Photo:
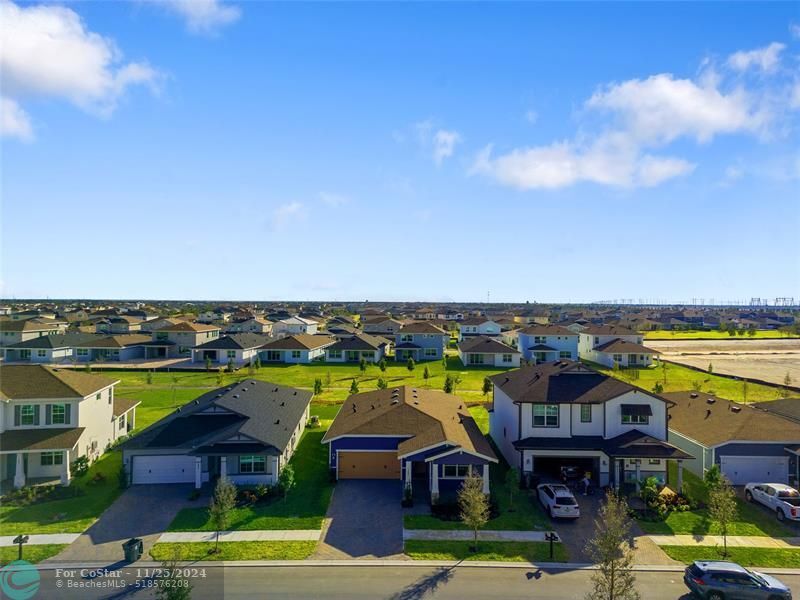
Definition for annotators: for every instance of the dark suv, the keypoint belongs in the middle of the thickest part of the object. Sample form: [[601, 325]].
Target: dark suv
[[718, 580]]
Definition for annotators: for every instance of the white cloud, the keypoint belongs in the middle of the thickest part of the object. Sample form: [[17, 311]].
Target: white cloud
[[14, 122], [287, 213], [333, 200], [732, 174], [653, 170], [764, 59], [205, 16], [440, 143], [531, 116], [794, 30], [48, 51]]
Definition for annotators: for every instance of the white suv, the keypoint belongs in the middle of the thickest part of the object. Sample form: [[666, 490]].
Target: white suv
[[783, 500], [558, 501]]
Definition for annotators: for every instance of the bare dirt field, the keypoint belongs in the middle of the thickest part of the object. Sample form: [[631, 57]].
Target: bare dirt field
[[767, 360]]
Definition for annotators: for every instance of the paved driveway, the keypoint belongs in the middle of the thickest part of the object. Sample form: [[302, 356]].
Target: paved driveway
[[365, 520], [143, 511]]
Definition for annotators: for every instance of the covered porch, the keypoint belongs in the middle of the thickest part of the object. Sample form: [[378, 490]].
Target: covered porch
[[406, 350], [540, 353], [157, 349], [246, 464], [37, 456], [440, 472]]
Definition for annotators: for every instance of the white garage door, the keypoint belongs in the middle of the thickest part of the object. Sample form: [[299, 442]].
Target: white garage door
[[746, 469], [177, 468]]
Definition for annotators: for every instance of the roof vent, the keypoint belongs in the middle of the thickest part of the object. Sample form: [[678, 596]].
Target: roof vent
[[372, 407], [295, 393], [395, 390], [219, 395], [283, 403], [415, 402], [277, 421], [354, 408], [693, 395], [736, 409], [196, 402], [275, 390], [244, 389], [711, 400], [236, 395], [395, 401]]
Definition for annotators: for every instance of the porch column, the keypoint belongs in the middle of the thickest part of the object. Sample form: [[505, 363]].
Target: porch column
[[618, 472], [223, 466], [680, 476], [486, 479], [638, 473], [408, 475], [198, 472], [65, 474], [19, 474], [434, 482]]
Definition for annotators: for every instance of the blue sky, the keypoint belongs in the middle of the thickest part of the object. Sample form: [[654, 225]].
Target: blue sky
[[388, 151]]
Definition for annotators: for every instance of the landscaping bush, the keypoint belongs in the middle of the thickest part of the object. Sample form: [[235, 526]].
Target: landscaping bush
[[80, 466], [449, 511]]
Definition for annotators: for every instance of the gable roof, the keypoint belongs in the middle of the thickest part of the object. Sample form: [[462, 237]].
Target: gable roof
[[548, 330], [426, 417], [58, 340], [608, 330], [785, 407], [486, 345], [301, 341], [185, 326], [421, 327], [19, 382], [235, 341], [26, 325], [476, 321], [713, 421], [362, 341], [622, 347], [562, 381], [116, 341]]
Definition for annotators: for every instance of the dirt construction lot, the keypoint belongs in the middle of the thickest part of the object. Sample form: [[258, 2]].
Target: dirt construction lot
[[767, 360]]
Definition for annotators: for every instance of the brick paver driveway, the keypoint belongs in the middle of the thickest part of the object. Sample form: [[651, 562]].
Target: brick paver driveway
[[143, 511], [365, 520]]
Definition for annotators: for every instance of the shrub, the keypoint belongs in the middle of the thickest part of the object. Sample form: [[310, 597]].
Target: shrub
[[122, 477], [80, 466]]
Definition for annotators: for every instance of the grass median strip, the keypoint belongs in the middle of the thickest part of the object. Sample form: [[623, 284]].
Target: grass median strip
[[494, 551], [233, 551], [748, 557], [33, 554]]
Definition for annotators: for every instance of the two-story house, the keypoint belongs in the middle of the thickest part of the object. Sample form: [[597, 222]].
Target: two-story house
[[178, 340], [565, 414], [294, 326], [353, 348], [488, 352], [118, 325], [49, 417], [254, 325], [14, 332], [547, 343], [420, 341], [381, 325], [610, 344], [475, 326]]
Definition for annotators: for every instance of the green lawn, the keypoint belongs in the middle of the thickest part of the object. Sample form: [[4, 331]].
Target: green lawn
[[497, 551], [680, 378], [716, 335], [76, 514], [481, 416], [304, 508], [748, 557], [233, 551], [157, 402], [33, 554]]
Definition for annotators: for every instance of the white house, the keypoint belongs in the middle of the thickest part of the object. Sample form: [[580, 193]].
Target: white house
[[49, 417], [301, 348], [487, 351], [295, 325], [546, 343], [476, 326], [548, 416], [609, 344], [254, 325], [355, 347], [237, 349], [173, 341]]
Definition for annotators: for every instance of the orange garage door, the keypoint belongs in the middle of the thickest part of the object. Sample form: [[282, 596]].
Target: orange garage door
[[369, 465]]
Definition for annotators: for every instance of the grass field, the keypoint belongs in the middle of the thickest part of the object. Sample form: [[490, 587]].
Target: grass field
[[676, 378], [761, 334], [747, 557], [233, 551], [33, 554], [496, 551]]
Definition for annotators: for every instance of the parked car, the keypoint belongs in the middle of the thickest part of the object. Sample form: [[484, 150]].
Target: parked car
[[719, 580], [558, 500], [783, 500]]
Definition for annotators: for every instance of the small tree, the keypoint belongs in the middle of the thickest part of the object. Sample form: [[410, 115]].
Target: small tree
[[174, 585], [382, 385], [664, 372], [222, 503], [487, 386], [722, 508], [697, 385], [286, 480], [208, 364], [88, 367], [610, 550], [220, 376], [710, 369], [658, 387], [731, 330], [444, 362], [257, 363], [230, 365], [787, 384], [149, 378], [382, 365], [354, 386], [751, 332], [512, 481], [456, 382], [317, 386], [448, 384], [473, 506], [712, 477], [362, 365], [327, 379], [410, 365]]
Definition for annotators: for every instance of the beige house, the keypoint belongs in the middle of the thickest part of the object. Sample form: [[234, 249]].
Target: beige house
[[49, 417], [14, 332], [175, 341]]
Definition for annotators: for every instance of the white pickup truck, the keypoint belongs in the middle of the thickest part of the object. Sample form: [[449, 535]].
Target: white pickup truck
[[783, 500]]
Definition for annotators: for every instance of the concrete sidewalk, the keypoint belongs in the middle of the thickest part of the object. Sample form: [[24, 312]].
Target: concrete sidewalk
[[38, 539], [467, 536], [256, 535], [740, 541]]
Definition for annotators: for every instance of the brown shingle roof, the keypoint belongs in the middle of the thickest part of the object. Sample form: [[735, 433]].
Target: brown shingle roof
[[40, 439], [116, 341], [422, 327], [39, 381], [123, 405], [301, 341], [622, 347], [26, 325], [720, 421], [428, 417]]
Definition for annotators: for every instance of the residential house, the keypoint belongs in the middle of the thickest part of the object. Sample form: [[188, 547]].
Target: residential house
[[295, 325], [118, 325], [355, 347], [301, 348], [548, 416], [745, 441], [217, 315], [420, 437], [14, 332], [478, 326], [381, 325], [58, 348], [112, 348], [487, 351], [246, 432], [176, 341], [49, 417], [609, 344], [547, 343], [254, 325], [420, 341], [237, 349]]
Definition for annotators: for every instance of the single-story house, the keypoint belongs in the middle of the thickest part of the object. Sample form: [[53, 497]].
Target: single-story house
[[301, 348], [487, 351], [246, 432], [749, 444], [240, 348], [57, 348], [116, 348], [419, 436], [355, 347]]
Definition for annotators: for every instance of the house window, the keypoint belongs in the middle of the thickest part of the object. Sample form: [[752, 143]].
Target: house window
[[407, 337], [41, 353], [83, 352], [58, 414], [586, 413], [121, 422], [635, 419], [274, 355], [540, 339], [596, 341], [431, 352], [475, 359], [295, 353], [51, 458], [545, 415], [26, 414], [654, 461], [455, 471], [252, 464], [618, 358], [231, 354], [506, 358], [98, 396], [565, 354], [334, 353]]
